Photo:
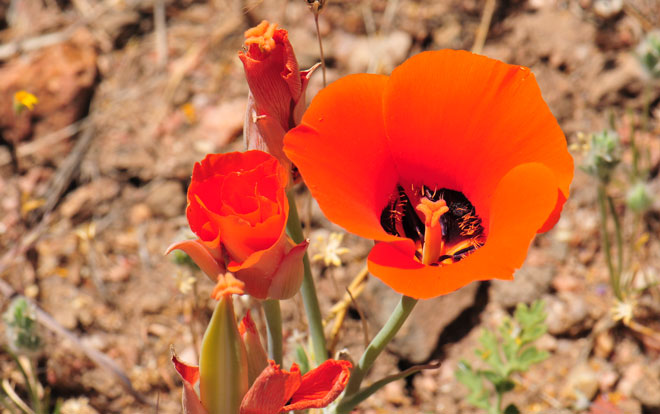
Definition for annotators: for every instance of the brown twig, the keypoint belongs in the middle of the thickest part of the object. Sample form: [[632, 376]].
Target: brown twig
[[97, 357], [484, 25]]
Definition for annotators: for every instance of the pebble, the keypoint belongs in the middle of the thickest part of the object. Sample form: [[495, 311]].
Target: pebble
[[567, 313]]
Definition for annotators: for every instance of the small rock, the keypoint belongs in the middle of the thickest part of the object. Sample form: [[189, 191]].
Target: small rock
[[631, 376], [567, 313], [582, 382], [139, 214], [647, 390], [77, 406], [566, 283], [530, 282], [604, 344], [167, 199], [418, 337]]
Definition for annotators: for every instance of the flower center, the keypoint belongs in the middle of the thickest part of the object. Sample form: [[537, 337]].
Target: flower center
[[443, 223]]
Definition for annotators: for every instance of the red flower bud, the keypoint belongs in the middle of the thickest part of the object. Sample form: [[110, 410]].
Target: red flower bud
[[277, 88]]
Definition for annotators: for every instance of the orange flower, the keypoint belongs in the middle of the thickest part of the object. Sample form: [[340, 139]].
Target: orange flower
[[237, 206], [452, 164], [277, 88]]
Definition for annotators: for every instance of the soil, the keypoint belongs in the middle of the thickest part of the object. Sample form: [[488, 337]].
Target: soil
[[93, 190]]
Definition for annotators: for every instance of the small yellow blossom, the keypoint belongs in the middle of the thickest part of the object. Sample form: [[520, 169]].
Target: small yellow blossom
[[24, 99], [188, 110], [330, 249], [184, 281], [624, 310]]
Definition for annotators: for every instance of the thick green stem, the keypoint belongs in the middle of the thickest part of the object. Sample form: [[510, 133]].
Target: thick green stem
[[384, 336], [274, 328], [307, 290], [602, 204]]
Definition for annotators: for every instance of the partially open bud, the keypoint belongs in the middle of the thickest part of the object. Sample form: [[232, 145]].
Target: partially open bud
[[257, 359], [277, 88]]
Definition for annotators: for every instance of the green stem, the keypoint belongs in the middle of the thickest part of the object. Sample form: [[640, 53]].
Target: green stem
[[274, 327], [619, 237], [384, 336], [307, 290], [602, 204], [499, 403]]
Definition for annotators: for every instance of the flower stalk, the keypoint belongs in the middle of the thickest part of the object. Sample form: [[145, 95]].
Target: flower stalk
[[375, 347], [307, 290], [607, 248], [274, 328]]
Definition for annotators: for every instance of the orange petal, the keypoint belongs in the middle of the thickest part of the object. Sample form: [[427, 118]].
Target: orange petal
[[340, 151], [258, 269], [201, 255], [190, 375], [271, 390], [320, 386], [520, 205], [257, 360], [288, 276], [462, 121]]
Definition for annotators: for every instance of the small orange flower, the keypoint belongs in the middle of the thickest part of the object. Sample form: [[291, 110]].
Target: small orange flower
[[277, 88], [237, 206], [452, 164]]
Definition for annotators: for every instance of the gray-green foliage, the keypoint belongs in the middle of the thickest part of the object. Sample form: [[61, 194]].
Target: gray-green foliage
[[649, 53], [603, 156], [22, 333], [506, 352]]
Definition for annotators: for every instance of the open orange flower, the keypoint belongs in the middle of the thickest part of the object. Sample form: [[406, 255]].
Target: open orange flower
[[238, 208], [452, 164], [277, 88]]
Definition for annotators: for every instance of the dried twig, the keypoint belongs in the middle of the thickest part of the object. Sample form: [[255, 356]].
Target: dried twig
[[315, 6], [98, 357], [160, 35], [484, 25]]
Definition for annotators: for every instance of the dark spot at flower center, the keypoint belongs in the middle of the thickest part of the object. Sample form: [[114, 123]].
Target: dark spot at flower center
[[462, 230]]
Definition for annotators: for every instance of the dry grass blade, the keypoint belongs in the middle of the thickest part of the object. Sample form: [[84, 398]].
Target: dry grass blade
[[484, 25]]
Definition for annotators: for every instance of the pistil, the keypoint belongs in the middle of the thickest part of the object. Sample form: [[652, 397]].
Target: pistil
[[433, 241]]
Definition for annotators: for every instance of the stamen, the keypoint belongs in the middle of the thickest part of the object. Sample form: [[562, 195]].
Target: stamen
[[441, 222]]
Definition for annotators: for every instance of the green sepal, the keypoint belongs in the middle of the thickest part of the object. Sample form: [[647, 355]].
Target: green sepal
[[223, 362]]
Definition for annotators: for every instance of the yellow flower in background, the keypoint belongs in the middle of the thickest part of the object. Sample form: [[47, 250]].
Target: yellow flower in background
[[24, 99], [330, 249]]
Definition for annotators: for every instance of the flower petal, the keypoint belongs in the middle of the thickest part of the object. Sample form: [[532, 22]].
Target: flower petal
[[190, 375], [201, 255], [271, 390], [320, 386], [340, 151], [520, 205], [462, 121], [288, 277]]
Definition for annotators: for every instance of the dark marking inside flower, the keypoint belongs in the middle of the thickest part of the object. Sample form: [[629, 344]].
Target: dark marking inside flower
[[462, 230]]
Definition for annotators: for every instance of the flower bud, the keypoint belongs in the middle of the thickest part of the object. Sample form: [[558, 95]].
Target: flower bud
[[257, 359], [277, 88], [603, 155], [639, 198], [223, 370]]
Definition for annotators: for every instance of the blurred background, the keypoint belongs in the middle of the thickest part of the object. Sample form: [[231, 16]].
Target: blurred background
[[132, 92]]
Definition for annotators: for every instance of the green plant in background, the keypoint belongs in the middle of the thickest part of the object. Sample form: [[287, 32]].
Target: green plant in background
[[506, 352], [23, 345], [602, 157], [649, 53]]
